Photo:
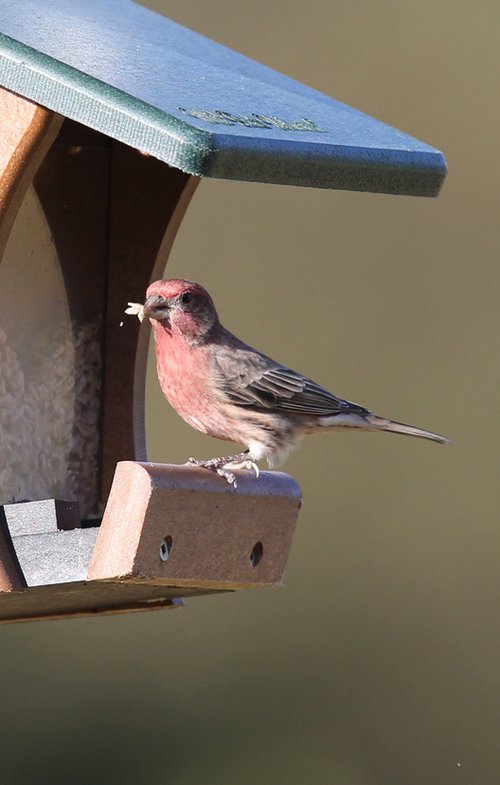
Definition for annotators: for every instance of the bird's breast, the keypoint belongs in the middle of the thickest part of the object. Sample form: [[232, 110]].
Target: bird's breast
[[184, 374], [189, 382]]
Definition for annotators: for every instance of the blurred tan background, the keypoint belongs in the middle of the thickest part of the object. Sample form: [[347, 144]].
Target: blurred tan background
[[378, 663]]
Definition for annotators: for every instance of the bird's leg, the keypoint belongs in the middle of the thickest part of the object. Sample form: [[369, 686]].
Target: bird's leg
[[223, 465]]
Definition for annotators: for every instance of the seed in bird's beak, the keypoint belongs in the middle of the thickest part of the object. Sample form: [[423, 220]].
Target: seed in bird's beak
[[136, 309]]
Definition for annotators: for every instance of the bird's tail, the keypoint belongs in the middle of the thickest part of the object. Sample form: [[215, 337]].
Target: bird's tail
[[381, 424], [366, 421]]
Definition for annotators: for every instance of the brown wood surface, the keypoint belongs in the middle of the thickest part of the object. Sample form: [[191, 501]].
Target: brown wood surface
[[27, 132], [67, 600], [211, 529], [72, 184]]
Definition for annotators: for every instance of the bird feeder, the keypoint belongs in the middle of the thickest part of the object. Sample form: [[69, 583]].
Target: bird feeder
[[109, 116]]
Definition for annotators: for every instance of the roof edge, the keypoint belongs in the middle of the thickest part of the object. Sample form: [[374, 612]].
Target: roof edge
[[104, 108]]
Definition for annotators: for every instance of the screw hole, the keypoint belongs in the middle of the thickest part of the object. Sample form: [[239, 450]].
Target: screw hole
[[165, 547], [256, 554]]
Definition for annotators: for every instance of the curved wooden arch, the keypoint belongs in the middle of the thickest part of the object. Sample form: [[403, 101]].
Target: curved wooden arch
[[28, 131]]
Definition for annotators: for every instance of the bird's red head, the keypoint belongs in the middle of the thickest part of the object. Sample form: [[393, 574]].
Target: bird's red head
[[180, 307]]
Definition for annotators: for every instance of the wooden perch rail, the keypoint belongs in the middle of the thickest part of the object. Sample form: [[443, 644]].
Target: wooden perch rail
[[187, 526], [167, 532]]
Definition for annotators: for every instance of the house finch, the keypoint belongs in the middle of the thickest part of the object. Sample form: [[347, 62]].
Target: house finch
[[226, 389]]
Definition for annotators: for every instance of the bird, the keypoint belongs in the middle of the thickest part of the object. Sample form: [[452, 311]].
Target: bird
[[226, 389]]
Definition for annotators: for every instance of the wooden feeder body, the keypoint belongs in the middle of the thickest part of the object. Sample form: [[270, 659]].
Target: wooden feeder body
[[95, 226]]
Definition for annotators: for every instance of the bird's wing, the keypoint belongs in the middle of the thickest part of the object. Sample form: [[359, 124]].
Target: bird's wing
[[254, 381]]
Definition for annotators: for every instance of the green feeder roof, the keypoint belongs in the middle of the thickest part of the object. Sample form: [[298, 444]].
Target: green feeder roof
[[199, 106]]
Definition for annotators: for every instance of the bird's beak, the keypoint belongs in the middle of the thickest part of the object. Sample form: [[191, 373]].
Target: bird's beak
[[156, 307]]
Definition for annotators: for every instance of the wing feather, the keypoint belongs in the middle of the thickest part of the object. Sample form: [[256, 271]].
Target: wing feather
[[256, 382]]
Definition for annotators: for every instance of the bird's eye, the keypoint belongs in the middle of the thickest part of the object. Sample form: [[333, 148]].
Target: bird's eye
[[186, 297]]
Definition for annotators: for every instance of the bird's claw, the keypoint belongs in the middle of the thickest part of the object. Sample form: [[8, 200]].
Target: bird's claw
[[223, 466], [252, 467], [228, 476]]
